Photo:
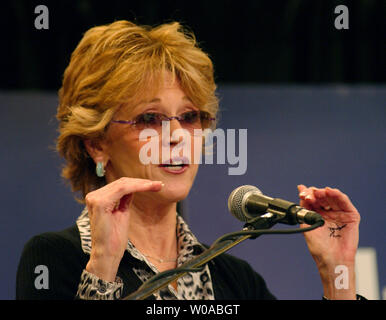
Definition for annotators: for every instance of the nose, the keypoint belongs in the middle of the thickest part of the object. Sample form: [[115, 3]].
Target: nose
[[168, 139], [175, 125]]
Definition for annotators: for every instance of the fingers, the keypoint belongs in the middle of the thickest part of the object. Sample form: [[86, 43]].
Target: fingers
[[303, 194], [323, 202], [315, 198], [124, 186], [339, 199], [325, 199], [116, 195]]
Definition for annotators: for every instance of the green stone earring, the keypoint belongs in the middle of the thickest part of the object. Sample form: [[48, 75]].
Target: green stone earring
[[100, 170]]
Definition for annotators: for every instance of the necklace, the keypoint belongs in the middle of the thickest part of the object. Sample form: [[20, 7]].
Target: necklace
[[160, 260]]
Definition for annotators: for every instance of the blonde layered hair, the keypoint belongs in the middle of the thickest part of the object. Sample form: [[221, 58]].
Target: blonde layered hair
[[122, 63]]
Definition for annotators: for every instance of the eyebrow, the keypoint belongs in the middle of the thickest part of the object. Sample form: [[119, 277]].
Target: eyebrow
[[159, 100]]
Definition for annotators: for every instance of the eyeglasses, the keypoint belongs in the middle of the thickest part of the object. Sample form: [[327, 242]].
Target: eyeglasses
[[189, 120]]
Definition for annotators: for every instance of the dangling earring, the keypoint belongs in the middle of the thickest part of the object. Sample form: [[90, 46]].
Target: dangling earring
[[100, 170]]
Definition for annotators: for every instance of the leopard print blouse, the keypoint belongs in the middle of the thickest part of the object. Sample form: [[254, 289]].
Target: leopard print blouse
[[192, 286]]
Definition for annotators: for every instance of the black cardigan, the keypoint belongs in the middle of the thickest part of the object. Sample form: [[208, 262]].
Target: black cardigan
[[62, 253]]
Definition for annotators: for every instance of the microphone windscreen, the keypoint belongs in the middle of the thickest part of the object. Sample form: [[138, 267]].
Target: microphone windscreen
[[235, 201]]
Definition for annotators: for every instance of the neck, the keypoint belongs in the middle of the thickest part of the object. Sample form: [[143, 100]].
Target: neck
[[152, 228]]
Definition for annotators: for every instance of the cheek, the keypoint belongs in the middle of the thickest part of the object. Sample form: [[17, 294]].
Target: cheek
[[124, 150], [128, 147]]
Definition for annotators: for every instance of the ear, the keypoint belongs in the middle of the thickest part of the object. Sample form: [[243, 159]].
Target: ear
[[96, 149]]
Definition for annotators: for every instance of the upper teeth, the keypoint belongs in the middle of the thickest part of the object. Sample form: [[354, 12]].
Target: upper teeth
[[177, 163]]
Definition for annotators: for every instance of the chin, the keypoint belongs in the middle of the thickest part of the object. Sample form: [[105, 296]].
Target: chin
[[175, 192]]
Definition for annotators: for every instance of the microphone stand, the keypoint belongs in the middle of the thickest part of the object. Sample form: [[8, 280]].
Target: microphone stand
[[218, 247]]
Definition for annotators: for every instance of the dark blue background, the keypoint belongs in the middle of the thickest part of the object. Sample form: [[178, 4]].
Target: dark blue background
[[321, 136]]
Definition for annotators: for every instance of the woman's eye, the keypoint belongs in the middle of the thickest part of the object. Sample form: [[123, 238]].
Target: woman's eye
[[190, 116], [147, 118]]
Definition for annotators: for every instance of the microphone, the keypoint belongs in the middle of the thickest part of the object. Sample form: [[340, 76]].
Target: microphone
[[248, 202]]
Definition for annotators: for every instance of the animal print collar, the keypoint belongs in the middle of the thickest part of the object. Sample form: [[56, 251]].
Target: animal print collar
[[192, 286]]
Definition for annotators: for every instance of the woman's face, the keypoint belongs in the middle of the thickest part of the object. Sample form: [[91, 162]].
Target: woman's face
[[122, 145]]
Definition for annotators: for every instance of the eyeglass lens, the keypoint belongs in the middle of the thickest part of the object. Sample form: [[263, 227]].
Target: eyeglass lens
[[188, 120]]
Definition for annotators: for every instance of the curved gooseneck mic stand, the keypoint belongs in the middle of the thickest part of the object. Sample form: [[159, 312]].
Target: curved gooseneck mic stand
[[252, 229]]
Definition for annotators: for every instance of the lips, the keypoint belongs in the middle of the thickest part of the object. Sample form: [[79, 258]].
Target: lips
[[175, 165]]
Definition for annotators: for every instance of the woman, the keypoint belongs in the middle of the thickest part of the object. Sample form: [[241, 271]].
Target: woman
[[122, 79]]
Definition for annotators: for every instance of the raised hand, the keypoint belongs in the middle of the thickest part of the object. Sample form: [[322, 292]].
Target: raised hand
[[109, 212], [335, 243]]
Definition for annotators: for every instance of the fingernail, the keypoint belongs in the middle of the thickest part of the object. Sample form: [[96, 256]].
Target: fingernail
[[159, 182], [303, 193], [308, 197]]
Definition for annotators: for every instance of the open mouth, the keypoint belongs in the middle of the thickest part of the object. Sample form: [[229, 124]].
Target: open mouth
[[175, 164]]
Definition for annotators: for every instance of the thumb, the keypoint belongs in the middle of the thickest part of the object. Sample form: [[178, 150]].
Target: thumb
[[124, 202], [304, 204], [301, 187]]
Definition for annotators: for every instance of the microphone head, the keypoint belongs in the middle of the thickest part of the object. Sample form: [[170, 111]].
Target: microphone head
[[236, 203]]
